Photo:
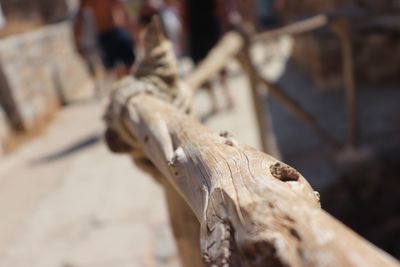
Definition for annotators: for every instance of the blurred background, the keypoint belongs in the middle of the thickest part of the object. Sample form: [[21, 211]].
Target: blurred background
[[66, 201]]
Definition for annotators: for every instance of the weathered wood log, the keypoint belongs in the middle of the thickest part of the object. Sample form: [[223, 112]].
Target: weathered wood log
[[264, 123], [341, 28], [185, 227], [226, 49], [253, 210], [284, 99], [300, 27], [232, 43], [298, 111]]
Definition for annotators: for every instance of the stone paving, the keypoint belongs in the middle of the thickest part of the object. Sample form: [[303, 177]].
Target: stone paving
[[40, 70]]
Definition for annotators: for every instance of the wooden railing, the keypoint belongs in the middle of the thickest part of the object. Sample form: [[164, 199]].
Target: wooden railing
[[229, 204], [238, 45]]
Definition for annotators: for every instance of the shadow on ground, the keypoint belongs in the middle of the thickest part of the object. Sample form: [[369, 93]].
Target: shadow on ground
[[68, 151]]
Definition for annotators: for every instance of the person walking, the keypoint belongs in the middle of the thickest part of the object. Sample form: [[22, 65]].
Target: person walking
[[205, 22], [113, 25]]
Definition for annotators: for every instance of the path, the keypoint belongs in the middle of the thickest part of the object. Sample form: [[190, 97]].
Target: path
[[66, 201]]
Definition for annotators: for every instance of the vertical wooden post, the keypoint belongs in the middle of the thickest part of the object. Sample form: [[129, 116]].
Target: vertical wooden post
[[341, 29], [264, 122], [185, 227], [298, 111], [256, 80]]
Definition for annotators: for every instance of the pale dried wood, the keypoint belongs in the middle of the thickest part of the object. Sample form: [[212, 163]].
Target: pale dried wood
[[157, 74], [226, 49], [298, 111], [232, 43], [296, 28], [264, 123], [252, 209], [283, 98], [185, 227]]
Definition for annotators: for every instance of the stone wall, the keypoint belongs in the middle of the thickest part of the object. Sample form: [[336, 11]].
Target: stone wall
[[295, 9], [376, 51], [38, 71], [4, 131], [50, 11], [70, 73]]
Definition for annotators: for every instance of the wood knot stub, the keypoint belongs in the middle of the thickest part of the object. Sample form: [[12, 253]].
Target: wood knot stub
[[115, 143], [262, 253], [229, 139], [225, 134], [317, 196], [178, 157], [284, 172]]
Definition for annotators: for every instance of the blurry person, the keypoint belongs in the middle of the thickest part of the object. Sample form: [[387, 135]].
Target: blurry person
[[267, 12], [148, 9], [205, 22], [172, 23], [247, 9], [87, 45], [2, 18], [113, 24]]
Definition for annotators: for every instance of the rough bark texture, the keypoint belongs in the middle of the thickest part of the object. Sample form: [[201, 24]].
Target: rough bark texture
[[253, 210]]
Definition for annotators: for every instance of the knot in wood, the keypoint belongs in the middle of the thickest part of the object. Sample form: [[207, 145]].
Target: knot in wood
[[178, 157], [229, 139], [262, 253], [317, 196], [115, 143], [225, 134], [284, 172]]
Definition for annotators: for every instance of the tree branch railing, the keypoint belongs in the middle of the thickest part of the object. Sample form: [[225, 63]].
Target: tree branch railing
[[300, 27], [230, 205], [238, 45], [338, 23]]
